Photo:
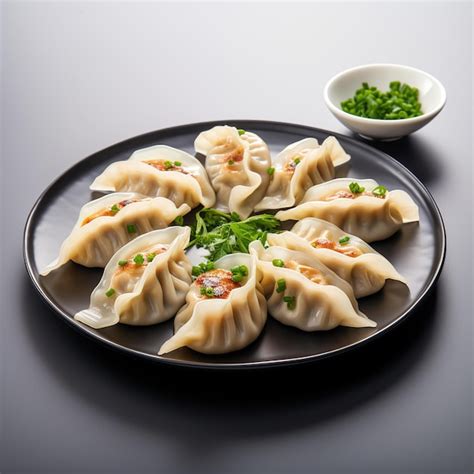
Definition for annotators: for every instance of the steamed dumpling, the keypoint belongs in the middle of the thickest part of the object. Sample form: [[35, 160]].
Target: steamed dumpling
[[304, 293], [108, 223], [360, 207], [300, 166], [159, 171], [237, 163], [221, 315], [346, 255], [144, 283]]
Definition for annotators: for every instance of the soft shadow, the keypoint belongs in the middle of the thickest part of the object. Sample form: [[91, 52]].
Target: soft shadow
[[415, 153], [233, 404]]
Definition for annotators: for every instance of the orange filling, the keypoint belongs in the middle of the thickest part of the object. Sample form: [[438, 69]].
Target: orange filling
[[219, 281], [343, 194], [110, 211], [309, 272], [165, 165], [348, 250]]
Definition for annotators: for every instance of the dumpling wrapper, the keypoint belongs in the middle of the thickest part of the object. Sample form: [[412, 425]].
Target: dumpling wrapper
[[317, 165], [93, 244], [237, 166], [318, 307], [370, 218], [219, 326], [151, 292], [190, 187], [366, 273]]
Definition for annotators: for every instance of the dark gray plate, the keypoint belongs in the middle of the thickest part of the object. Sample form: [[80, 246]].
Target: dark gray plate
[[417, 251]]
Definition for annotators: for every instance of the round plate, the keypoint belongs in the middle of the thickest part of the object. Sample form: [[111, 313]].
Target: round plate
[[417, 251]]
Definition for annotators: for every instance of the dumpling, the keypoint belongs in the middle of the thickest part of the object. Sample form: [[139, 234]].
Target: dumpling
[[108, 223], [304, 293], [144, 283], [346, 255], [361, 207], [237, 163], [300, 166], [159, 171], [225, 309]]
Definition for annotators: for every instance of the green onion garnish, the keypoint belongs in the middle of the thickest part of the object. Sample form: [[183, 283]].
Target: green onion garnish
[[131, 229], [297, 161], [139, 259], [168, 164], [230, 162], [237, 278], [344, 240], [179, 220], [122, 263], [241, 131], [271, 171], [202, 268], [278, 262], [177, 163], [150, 257], [110, 292], [203, 290], [115, 209], [244, 270], [209, 291], [356, 188], [281, 285], [379, 191], [290, 302], [196, 271]]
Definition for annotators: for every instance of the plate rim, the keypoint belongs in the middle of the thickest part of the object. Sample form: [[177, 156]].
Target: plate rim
[[273, 125]]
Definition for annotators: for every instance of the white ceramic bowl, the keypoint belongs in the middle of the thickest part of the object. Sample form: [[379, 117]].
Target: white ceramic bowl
[[432, 96]]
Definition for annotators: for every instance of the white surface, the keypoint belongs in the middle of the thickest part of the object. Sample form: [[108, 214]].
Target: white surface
[[432, 96]]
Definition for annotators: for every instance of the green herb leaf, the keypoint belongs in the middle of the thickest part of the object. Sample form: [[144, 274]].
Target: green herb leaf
[[179, 220]]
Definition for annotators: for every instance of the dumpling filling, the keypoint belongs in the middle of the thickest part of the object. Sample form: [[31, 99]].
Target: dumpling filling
[[217, 283], [342, 247], [130, 271], [309, 272], [354, 191], [291, 165], [166, 165], [109, 211]]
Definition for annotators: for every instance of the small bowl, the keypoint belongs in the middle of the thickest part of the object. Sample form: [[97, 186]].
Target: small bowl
[[432, 96]]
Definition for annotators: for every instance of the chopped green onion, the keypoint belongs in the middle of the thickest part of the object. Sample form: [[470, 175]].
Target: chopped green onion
[[344, 240], [278, 262], [243, 270], [179, 220], [122, 263], [241, 131], [196, 271], [131, 229], [115, 209], [271, 171], [150, 257], [380, 191], [237, 278], [209, 291], [177, 163], [139, 259], [297, 161], [356, 188], [203, 290], [230, 162], [110, 292], [290, 302], [281, 285], [168, 164]]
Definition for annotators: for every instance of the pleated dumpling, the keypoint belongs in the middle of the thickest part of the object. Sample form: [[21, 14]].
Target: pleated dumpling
[[159, 171], [304, 293], [144, 283], [225, 309], [361, 207], [300, 166], [237, 163], [348, 256], [108, 223]]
